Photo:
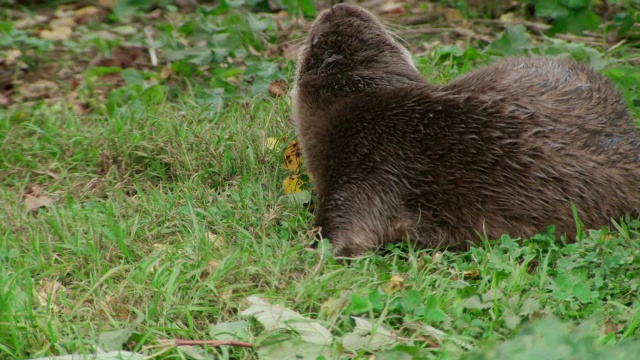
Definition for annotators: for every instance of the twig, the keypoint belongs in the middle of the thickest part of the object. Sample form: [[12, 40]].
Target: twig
[[458, 30], [617, 45], [212, 343], [541, 29], [167, 344], [152, 51]]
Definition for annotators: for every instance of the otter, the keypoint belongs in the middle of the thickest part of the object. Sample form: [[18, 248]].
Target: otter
[[510, 148]]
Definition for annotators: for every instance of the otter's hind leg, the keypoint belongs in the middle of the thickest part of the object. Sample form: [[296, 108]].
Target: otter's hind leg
[[358, 219]]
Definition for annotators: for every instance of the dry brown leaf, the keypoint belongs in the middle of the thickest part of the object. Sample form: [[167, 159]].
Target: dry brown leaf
[[154, 15], [33, 203], [11, 56], [49, 289], [334, 306], [62, 22], [48, 173], [278, 88], [467, 274], [28, 23], [611, 327], [125, 57], [5, 101], [453, 17], [215, 240], [166, 72], [56, 34], [38, 90], [88, 13], [254, 52], [208, 270], [392, 9], [109, 4]]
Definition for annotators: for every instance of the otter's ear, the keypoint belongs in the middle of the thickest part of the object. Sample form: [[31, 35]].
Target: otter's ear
[[332, 62]]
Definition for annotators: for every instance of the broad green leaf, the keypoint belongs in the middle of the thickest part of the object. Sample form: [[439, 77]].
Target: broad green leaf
[[366, 336], [113, 340], [111, 355], [582, 292], [277, 317], [230, 330], [515, 40], [293, 350]]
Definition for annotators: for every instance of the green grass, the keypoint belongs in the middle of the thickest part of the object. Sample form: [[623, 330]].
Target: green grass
[[169, 212], [167, 219]]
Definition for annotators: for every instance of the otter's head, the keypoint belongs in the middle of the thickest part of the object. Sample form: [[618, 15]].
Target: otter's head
[[349, 49]]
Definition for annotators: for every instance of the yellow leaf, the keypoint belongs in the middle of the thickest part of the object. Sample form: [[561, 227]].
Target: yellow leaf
[[272, 143], [293, 157], [395, 283], [292, 184], [60, 33]]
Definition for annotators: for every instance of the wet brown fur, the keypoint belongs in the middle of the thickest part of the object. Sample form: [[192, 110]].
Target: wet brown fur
[[502, 150]]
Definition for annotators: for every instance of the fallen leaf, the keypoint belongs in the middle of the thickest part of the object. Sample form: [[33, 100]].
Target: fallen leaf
[[166, 72], [62, 22], [392, 8], [235, 330], [293, 350], [49, 291], [215, 240], [88, 13], [366, 336], [109, 4], [292, 184], [208, 270], [11, 56], [29, 22], [293, 157], [334, 306], [192, 352], [125, 30], [277, 317], [395, 283], [110, 355], [33, 203], [57, 34], [278, 88], [125, 57], [611, 328], [114, 340], [154, 15], [453, 16], [39, 89], [471, 274], [272, 143], [508, 17], [5, 101]]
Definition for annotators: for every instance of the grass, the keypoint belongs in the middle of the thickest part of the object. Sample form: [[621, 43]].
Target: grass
[[169, 213]]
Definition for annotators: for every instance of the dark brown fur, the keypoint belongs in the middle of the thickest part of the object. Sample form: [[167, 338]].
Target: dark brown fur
[[502, 150]]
